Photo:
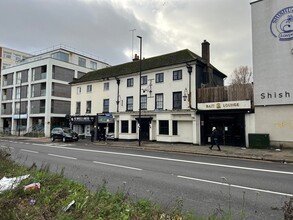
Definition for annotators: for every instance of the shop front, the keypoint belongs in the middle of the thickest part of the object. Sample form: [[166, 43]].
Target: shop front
[[228, 117], [82, 125]]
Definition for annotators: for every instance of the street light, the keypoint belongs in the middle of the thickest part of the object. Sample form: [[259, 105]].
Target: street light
[[19, 122], [139, 114]]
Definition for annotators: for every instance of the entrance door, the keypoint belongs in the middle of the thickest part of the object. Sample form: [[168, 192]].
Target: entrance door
[[231, 127], [145, 128]]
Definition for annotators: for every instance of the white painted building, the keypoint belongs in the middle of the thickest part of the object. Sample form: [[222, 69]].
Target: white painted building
[[109, 99], [35, 94], [272, 37]]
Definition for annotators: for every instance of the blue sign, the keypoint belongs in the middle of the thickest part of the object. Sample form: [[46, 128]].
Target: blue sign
[[105, 118], [282, 24]]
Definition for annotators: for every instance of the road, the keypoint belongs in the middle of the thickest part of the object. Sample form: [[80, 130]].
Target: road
[[202, 184]]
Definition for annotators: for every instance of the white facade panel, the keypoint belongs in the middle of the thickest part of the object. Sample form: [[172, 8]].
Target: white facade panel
[[278, 125], [272, 37]]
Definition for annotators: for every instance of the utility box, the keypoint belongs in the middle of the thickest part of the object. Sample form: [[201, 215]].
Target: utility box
[[259, 140]]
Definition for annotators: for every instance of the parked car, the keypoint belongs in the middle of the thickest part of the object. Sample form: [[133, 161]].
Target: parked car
[[65, 134], [110, 136]]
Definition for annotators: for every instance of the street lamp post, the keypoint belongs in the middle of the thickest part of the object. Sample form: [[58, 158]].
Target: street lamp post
[[19, 110], [139, 114]]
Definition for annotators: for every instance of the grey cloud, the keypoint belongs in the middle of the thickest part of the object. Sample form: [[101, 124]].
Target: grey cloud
[[103, 27]]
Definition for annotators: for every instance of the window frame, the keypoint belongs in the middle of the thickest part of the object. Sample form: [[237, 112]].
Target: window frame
[[177, 75], [157, 102], [133, 126], [163, 127], [175, 127], [124, 126], [81, 61], [93, 65], [88, 107], [144, 80], [143, 105], [130, 82], [77, 108], [159, 77], [60, 55], [106, 105], [129, 105], [78, 90], [89, 88], [106, 86], [177, 100]]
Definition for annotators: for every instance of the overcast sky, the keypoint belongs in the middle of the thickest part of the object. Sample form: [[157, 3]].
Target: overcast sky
[[103, 28]]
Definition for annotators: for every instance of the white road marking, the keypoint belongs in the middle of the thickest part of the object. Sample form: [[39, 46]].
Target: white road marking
[[171, 159], [115, 165], [235, 186], [30, 151], [52, 145], [55, 155]]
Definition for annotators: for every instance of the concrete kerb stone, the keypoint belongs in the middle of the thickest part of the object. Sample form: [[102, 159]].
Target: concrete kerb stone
[[284, 156], [233, 152]]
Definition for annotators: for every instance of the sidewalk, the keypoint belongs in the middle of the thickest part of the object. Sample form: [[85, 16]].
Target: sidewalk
[[276, 155], [279, 155]]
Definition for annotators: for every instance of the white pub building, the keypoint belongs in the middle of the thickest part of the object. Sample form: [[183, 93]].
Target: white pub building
[[108, 100]]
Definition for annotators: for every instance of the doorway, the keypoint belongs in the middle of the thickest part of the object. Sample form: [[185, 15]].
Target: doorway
[[145, 128], [231, 126]]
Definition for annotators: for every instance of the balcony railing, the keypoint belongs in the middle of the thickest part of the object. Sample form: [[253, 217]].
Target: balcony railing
[[225, 93]]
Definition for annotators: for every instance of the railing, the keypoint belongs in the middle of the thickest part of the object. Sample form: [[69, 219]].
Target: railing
[[5, 131], [225, 93], [35, 131], [47, 53]]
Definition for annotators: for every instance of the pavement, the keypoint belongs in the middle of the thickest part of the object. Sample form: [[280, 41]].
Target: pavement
[[272, 154], [284, 155]]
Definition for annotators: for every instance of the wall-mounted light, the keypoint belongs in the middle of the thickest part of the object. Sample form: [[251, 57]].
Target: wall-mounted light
[[189, 68], [185, 94]]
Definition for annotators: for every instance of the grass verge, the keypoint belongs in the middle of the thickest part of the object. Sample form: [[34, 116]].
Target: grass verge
[[52, 200], [57, 192]]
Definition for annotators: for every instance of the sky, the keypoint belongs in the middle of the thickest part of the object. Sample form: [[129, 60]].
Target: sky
[[108, 29]]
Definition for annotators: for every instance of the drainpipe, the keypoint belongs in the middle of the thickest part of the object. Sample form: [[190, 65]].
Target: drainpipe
[[117, 101], [189, 69]]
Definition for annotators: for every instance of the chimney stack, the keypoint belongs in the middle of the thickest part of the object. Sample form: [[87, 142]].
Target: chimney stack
[[136, 57], [205, 51]]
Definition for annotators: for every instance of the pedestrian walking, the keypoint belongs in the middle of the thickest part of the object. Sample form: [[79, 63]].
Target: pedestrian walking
[[215, 138], [92, 134], [99, 133]]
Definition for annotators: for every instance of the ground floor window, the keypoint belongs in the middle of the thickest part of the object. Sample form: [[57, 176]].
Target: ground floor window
[[164, 127], [175, 127], [133, 126], [124, 126]]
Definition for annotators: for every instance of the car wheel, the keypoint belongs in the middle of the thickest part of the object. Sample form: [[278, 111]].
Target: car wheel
[[52, 139], [64, 139]]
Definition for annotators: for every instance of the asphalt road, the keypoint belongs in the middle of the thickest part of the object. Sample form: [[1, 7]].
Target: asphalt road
[[203, 185]]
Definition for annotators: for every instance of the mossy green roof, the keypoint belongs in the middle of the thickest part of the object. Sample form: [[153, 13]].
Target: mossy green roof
[[179, 57]]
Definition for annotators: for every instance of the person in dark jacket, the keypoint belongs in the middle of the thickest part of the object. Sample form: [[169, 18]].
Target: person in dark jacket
[[93, 134], [215, 138]]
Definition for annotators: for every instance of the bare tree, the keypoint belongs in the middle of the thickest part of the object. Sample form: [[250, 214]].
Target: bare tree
[[242, 75]]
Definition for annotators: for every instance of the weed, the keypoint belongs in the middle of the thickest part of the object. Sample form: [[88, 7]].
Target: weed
[[288, 209]]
